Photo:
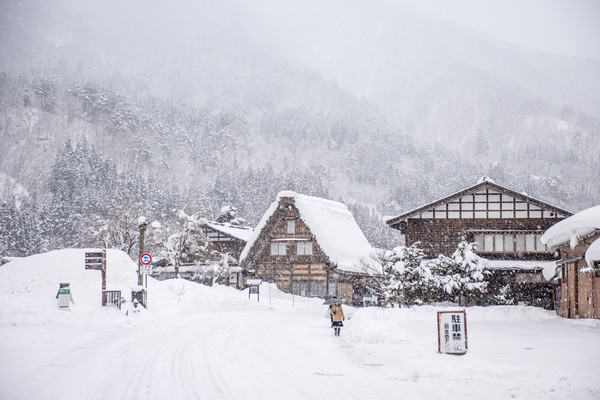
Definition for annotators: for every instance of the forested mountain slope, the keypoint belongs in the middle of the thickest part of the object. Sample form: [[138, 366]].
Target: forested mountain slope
[[198, 105]]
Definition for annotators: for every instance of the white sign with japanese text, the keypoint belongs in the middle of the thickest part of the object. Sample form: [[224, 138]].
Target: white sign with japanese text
[[452, 332]]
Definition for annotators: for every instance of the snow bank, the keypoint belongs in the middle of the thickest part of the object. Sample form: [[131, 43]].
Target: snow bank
[[28, 288], [373, 325], [573, 228]]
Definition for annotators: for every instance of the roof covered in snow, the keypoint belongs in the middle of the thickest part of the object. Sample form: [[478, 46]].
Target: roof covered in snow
[[572, 229], [593, 253], [237, 231], [332, 225]]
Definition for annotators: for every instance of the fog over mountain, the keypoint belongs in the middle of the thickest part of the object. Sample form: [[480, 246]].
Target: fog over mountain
[[377, 104]]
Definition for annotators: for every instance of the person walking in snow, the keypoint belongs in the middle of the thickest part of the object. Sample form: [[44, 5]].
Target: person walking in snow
[[337, 314]]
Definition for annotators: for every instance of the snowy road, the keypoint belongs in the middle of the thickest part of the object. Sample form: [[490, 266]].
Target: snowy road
[[291, 354], [233, 355]]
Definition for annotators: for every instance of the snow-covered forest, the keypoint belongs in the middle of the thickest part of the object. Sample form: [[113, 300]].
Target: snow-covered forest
[[99, 126]]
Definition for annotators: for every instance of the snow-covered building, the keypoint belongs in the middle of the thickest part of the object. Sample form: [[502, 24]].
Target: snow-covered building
[[577, 274], [507, 227], [226, 237], [308, 246]]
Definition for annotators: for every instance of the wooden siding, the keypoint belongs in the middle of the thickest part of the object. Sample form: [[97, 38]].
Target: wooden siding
[[580, 288], [484, 200], [491, 204], [443, 236]]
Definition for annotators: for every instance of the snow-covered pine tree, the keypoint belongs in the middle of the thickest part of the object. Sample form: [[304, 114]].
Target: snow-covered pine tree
[[228, 214], [470, 283], [415, 276]]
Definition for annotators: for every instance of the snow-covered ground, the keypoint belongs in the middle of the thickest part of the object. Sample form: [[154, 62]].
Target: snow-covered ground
[[196, 342]]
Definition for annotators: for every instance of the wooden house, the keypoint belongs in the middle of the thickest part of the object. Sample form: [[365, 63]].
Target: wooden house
[[577, 273], [507, 227], [226, 237], [308, 246]]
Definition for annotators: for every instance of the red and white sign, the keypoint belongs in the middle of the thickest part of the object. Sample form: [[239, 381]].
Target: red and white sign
[[146, 259]]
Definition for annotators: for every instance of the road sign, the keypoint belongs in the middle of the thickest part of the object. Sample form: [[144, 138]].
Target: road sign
[[146, 259], [145, 269], [95, 260], [452, 332]]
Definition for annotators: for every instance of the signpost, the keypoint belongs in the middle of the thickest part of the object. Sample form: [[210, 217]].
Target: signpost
[[452, 332], [97, 261], [145, 267], [254, 287]]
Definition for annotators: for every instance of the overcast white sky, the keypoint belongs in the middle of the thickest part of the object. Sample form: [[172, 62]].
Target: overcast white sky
[[569, 27]]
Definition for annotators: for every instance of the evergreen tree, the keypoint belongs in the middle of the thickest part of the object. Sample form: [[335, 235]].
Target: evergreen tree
[[460, 276]]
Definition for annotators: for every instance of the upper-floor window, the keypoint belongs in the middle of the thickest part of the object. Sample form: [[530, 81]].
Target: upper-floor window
[[304, 248], [291, 227], [503, 242], [278, 248]]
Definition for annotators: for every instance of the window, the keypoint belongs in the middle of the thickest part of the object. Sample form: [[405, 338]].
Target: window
[[304, 248], [278, 248], [488, 243], [291, 227], [495, 242], [498, 243], [509, 243], [539, 246], [530, 242], [520, 239], [479, 239]]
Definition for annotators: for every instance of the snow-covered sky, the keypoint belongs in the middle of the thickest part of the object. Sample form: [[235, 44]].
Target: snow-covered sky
[[567, 27]]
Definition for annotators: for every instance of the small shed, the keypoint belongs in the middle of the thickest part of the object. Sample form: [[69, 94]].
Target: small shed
[[577, 273], [308, 246], [226, 237]]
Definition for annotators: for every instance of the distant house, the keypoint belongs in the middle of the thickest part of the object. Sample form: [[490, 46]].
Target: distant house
[[507, 227], [577, 239], [308, 246], [227, 238]]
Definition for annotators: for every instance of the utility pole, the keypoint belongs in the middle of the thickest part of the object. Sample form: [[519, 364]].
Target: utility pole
[[143, 226]]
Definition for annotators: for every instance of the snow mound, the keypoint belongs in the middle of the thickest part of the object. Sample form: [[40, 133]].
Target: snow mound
[[28, 285], [28, 288], [373, 326]]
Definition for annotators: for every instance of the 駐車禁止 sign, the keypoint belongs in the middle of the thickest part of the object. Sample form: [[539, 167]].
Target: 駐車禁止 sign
[[452, 332]]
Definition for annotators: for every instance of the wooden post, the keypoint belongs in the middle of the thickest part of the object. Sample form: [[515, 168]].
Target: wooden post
[[103, 272], [143, 226], [309, 282]]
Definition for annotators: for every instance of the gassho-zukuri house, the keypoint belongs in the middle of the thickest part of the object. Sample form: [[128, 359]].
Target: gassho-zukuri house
[[507, 227], [308, 246], [577, 273]]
